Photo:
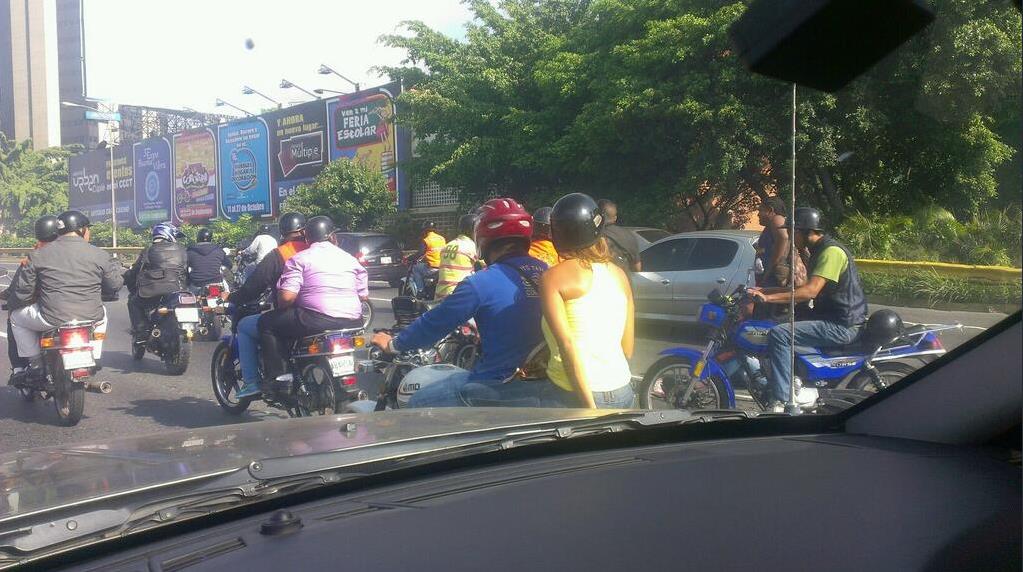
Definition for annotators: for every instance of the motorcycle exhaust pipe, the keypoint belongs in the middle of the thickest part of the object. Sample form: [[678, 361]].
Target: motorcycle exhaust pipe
[[99, 386]]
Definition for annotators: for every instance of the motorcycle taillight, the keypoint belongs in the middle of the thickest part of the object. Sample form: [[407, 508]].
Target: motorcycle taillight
[[213, 290], [339, 344], [74, 337], [186, 299]]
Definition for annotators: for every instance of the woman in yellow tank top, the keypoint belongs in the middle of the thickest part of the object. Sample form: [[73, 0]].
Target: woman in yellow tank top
[[587, 310]]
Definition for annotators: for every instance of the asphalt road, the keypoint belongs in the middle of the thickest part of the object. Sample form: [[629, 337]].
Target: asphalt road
[[145, 399]]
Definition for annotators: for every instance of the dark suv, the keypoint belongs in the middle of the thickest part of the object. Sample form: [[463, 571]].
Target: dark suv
[[379, 253]]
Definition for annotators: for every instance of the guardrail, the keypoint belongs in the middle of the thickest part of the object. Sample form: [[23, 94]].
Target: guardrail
[[995, 274]]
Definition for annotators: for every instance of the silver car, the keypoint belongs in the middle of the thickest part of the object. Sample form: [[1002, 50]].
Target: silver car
[[680, 270]]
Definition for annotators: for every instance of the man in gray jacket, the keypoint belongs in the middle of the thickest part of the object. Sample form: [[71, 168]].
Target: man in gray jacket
[[60, 283]]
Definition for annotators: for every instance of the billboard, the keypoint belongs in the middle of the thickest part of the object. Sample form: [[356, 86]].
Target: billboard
[[89, 184], [298, 147], [361, 128], [124, 185], [152, 181], [243, 169], [195, 176]]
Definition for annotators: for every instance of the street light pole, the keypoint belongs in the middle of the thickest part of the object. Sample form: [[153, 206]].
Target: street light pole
[[325, 70], [322, 91], [249, 91], [222, 103], [285, 84]]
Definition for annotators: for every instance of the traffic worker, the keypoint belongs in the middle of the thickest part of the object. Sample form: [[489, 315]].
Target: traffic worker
[[458, 258], [542, 248]]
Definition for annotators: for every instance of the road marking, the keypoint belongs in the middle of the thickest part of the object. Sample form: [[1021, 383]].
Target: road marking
[[381, 299]]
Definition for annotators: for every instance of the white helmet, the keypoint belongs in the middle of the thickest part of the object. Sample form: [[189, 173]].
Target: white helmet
[[421, 377]]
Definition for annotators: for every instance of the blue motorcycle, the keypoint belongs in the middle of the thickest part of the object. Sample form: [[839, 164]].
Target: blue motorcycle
[[736, 356]]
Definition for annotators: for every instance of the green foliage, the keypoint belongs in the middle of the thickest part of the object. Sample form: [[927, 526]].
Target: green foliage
[[32, 183], [354, 197], [932, 288], [403, 227], [645, 101]]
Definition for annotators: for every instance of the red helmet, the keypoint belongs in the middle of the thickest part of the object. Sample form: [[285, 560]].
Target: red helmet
[[502, 218]]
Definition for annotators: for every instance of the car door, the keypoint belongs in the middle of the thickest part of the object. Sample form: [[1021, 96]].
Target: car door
[[711, 263], [652, 288]]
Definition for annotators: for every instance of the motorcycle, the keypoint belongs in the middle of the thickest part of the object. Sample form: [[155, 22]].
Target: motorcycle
[[407, 285], [736, 355], [321, 376], [211, 322], [461, 347], [367, 313], [173, 325]]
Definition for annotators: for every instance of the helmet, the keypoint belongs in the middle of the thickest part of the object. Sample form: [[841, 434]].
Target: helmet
[[429, 225], [500, 219], [290, 222], [72, 221], [882, 327], [166, 231], [575, 222], [542, 216], [264, 229], [466, 223], [806, 218], [46, 228], [318, 229], [204, 235]]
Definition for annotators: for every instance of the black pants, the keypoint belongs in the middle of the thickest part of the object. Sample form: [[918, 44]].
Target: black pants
[[12, 348], [139, 309], [278, 328]]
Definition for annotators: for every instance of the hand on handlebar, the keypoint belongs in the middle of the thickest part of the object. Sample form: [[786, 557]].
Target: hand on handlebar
[[382, 340]]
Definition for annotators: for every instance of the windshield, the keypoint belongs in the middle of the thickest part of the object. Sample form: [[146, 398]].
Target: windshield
[[499, 143]]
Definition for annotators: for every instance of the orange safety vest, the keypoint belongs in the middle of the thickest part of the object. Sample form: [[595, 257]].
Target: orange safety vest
[[434, 244], [291, 248], [544, 251]]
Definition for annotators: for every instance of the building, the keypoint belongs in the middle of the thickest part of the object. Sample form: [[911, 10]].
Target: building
[[29, 72], [74, 128]]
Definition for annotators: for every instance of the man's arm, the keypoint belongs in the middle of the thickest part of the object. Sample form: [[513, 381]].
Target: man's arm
[[262, 277], [113, 274], [290, 283], [23, 285], [807, 291], [781, 246], [455, 310]]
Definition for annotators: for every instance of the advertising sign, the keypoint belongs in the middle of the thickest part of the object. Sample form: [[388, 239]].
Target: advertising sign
[[243, 169], [361, 128], [124, 185], [152, 181], [298, 147], [88, 175], [195, 176]]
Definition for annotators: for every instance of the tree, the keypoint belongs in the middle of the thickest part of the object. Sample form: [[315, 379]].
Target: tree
[[646, 102], [353, 196], [32, 183]]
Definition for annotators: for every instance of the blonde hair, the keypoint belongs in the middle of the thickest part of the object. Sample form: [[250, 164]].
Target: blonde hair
[[597, 252]]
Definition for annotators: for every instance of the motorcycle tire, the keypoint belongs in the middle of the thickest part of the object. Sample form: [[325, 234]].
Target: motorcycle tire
[[466, 355], [665, 364], [889, 371], [176, 362], [138, 351], [68, 396], [367, 313], [226, 382]]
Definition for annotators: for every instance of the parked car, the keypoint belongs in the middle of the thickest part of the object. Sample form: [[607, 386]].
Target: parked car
[[379, 253], [646, 236], [679, 271]]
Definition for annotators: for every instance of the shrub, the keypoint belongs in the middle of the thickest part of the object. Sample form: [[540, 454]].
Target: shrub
[[353, 196], [933, 288]]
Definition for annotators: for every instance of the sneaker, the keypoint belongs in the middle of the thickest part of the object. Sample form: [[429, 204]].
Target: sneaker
[[775, 407], [806, 396], [248, 390]]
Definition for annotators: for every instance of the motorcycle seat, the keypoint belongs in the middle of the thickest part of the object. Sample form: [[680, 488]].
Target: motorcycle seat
[[347, 331]]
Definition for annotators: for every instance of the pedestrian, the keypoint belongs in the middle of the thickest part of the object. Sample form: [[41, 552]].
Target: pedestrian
[[773, 245], [622, 243]]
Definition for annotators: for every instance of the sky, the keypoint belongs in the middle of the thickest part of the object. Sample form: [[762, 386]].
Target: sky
[[188, 53]]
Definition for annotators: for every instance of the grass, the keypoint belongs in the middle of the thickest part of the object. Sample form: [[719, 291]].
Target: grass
[[933, 288]]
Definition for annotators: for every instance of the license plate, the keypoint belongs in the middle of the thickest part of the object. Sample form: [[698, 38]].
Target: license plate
[[385, 260], [186, 314], [342, 365], [78, 360], [213, 302]]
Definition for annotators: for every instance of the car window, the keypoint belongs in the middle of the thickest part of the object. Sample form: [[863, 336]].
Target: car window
[[666, 256], [349, 244], [377, 243], [711, 253], [653, 235]]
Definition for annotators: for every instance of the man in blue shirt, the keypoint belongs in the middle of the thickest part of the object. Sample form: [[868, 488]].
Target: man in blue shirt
[[504, 300]]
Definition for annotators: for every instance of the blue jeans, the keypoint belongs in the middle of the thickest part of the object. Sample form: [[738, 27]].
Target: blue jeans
[[248, 348], [419, 273], [814, 333], [542, 393], [444, 389]]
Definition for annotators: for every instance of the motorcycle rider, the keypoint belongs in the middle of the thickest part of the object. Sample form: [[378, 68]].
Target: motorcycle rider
[[262, 244], [428, 256], [206, 261], [321, 288], [46, 231], [839, 311], [458, 259], [264, 277], [623, 244], [61, 282], [542, 248], [504, 300], [161, 268]]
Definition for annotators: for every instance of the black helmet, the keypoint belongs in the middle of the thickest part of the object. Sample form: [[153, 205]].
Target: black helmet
[[288, 223], [318, 229], [204, 235], [429, 225], [466, 224], [807, 218], [46, 228], [72, 221], [575, 222], [542, 216], [264, 229], [882, 327]]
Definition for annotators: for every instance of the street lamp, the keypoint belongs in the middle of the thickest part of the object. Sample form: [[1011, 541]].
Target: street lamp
[[327, 70], [113, 188], [285, 84], [322, 91], [249, 91], [222, 103]]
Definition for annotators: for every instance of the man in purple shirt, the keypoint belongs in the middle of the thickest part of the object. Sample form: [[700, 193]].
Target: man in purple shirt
[[321, 288]]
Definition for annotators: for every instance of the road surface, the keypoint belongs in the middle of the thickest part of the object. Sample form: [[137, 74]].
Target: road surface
[[146, 400]]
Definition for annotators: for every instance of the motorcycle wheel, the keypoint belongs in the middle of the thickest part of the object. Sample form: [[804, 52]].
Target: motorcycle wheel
[[321, 391], [68, 396], [466, 355], [890, 373], [138, 351], [367, 313], [665, 382], [225, 379], [176, 362]]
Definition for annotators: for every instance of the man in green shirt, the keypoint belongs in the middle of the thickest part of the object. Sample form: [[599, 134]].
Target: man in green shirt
[[839, 311]]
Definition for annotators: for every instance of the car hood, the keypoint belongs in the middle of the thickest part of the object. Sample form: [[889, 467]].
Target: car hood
[[39, 479]]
